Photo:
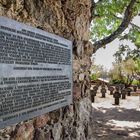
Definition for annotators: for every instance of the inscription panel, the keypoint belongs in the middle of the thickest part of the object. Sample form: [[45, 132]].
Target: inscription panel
[[35, 72]]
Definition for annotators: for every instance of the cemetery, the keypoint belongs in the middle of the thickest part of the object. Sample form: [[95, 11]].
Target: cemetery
[[69, 69]]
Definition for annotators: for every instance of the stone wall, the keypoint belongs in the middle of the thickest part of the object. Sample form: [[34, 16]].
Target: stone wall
[[69, 19]]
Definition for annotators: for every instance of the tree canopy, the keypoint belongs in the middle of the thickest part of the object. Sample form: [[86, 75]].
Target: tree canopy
[[111, 18], [98, 71], [126, 68]]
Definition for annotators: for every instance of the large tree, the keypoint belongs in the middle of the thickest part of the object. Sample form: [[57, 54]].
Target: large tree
[[124, 72], [111, 18], [98, 71], [128, 62]]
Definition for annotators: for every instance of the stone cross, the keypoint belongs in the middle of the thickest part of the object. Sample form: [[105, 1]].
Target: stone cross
[[103, 91]]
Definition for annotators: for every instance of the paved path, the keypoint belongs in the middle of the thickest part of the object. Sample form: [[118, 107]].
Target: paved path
[[116, 122]]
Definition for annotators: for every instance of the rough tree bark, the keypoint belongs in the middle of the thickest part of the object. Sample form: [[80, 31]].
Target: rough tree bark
[[69, 19]]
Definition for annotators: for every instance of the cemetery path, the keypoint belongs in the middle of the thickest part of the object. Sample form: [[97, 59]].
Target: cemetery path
[[116, 122]]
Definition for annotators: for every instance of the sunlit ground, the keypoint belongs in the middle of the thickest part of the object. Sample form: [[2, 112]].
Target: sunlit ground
[[128, 124], [116, 122]]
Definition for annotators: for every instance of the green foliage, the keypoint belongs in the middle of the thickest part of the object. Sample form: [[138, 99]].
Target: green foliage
[[93, 77], [135, 82], [115, 73], [136, 8], [103, 27], [121, 52], [127, 65], [117, 81], [133, 35], [138, 64], [98, 71], [107, 17], [136, 36], [124, 53]]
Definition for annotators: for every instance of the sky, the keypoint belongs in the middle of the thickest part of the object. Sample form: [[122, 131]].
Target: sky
[[105, 56]]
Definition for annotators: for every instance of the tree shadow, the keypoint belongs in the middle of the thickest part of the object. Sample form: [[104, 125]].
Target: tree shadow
[[117, 114], [104, 129]]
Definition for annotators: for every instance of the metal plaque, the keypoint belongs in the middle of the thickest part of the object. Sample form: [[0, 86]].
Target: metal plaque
[[35, 72]]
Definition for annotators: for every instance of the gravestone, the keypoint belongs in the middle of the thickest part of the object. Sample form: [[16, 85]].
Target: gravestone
[[121, 86], [95, 88], [35, 72], [111, 89], [103, 92], [93, 94], [103, 85], [108, 86], [123, 93], [117, 96], [117, 88], [135, 88], [129, 90]]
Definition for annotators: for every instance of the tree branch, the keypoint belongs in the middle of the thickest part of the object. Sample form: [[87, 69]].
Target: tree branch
[[132, 24], [126, 20]]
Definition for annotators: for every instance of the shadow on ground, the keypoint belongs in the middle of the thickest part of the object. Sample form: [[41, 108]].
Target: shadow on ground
[[116, 123]]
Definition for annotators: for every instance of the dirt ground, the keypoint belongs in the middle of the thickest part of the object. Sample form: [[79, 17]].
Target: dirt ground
[[116, 122]]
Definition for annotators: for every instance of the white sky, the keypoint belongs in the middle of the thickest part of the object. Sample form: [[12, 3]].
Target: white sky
[[105, 56]]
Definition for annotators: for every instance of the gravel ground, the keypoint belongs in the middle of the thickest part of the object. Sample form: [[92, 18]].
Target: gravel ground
[[112, 122]]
